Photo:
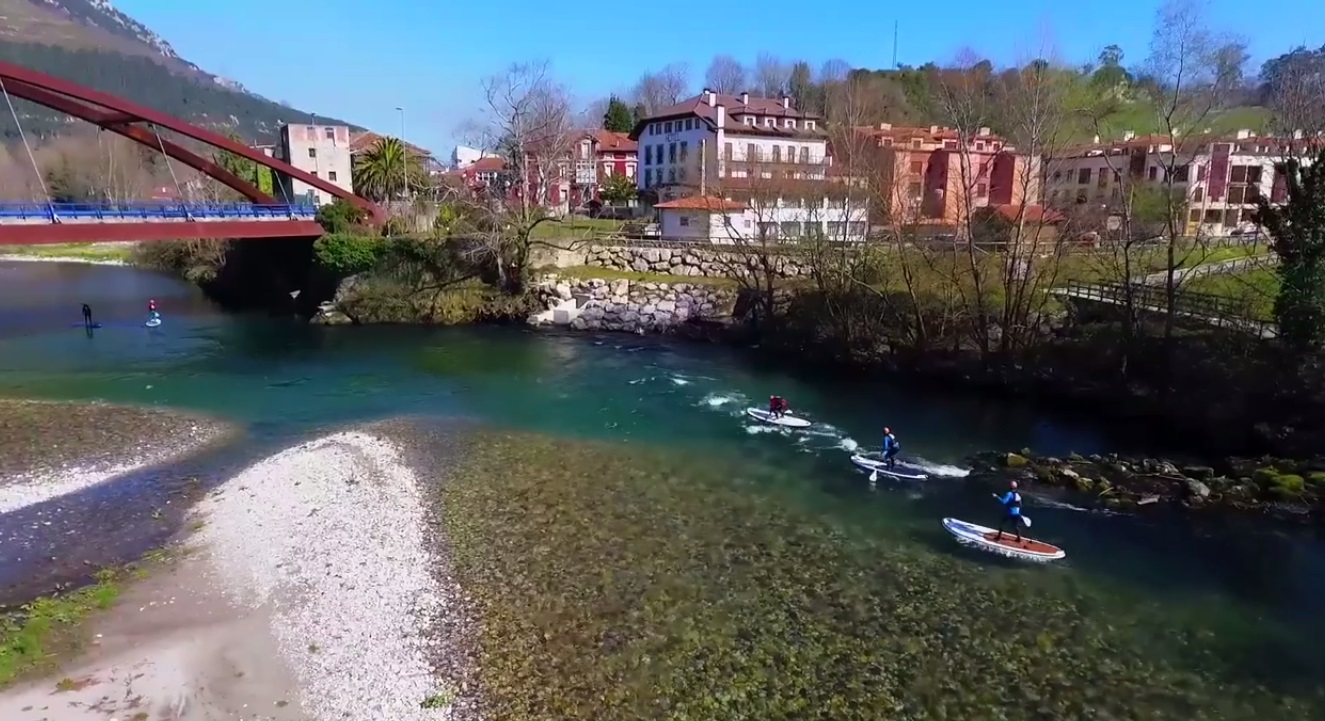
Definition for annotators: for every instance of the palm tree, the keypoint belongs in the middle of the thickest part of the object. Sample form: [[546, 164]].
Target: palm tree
[[388, 169]]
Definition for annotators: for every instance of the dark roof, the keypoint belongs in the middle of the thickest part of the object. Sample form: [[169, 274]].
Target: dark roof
[[736, 106]]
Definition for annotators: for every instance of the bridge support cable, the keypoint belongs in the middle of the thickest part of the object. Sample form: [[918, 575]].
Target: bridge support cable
[[178, 189], [41, 180]]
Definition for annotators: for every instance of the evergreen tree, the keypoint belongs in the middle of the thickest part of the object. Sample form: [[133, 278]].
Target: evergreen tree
[[1297, 228], [619, 118]]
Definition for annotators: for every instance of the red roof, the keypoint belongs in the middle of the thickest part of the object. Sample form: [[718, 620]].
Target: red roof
[[359, 142], [1033, 214], [701, 202], [488, 164], [612, 142]]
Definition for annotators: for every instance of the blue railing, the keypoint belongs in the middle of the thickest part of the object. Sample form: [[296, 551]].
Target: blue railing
[[54, 212]]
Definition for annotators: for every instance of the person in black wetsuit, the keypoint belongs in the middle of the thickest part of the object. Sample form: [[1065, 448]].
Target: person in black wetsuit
[[87, 315], [1011, 511]]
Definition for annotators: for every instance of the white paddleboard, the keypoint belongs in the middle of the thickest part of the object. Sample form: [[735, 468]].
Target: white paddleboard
[[877, 465], [786, 419], [152, 322], [981, 537]]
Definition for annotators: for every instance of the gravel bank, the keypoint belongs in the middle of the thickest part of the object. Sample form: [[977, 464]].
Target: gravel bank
[[338, 527], [51, 449], [12, 258]]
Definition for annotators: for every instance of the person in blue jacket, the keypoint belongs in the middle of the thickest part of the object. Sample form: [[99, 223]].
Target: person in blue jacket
[[890, 448], [1011, 511]]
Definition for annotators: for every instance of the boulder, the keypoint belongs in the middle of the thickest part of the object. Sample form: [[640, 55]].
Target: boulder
[[1196, 489], [1013, 460], [1201, 473]]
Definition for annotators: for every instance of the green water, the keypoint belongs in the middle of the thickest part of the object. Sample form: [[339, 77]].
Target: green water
[[1258, 587]]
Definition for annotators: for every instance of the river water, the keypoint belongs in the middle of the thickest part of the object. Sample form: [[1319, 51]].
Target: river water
[[283, 380]]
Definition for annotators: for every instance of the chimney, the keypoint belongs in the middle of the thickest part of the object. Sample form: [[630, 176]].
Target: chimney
[[1297, 135], [933, 130], [984, 132], [720, 116], [710, 97], [745, 98], [1095, 140], [1244, 134], [786, 102], [885, 126], [1127, 135]]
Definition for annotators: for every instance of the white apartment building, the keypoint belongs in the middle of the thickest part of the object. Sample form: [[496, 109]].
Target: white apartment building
[[322, 150], [1221, 176], [760, 151]]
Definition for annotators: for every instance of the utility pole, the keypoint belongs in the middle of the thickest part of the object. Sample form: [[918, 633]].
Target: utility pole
[[404, 155], [895, 27]]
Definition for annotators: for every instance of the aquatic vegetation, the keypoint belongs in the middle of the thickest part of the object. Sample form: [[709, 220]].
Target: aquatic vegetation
[[615, 582]]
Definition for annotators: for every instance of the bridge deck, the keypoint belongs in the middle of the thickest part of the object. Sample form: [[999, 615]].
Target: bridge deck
[[29, 213], [1204, 308]]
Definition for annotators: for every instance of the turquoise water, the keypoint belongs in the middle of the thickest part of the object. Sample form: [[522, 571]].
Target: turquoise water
[[284, 379]]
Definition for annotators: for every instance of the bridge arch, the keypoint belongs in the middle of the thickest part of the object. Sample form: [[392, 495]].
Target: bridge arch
[[119, 116]]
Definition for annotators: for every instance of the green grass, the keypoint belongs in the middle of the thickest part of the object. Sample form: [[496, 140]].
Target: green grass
[[575, 228], [1140, 118], [1256, 289], [102, 252], [36, 636]]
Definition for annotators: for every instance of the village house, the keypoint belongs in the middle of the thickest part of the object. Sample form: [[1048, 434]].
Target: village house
[[761, 153], [1220, 176], [576, 179]]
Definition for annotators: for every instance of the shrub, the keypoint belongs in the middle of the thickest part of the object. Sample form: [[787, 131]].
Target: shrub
[[197, 261], [1289, 484], [347, 253]]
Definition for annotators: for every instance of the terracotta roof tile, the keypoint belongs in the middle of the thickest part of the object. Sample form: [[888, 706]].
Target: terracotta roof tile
[[612, 142], [487, 164], [701, 202], [361, 141]]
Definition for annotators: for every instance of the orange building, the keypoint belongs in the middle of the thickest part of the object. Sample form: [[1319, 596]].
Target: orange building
[[928, 177]]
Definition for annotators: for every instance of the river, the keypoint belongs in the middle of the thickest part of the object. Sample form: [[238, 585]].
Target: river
[[1257, 587]]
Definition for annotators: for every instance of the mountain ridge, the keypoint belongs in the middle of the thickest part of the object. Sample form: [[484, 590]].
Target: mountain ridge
[[93, 43]]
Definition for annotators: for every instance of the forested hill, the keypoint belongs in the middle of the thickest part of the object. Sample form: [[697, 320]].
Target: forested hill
[[91, 43]]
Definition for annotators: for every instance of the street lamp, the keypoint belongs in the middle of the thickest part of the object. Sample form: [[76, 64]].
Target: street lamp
[[404, 154]]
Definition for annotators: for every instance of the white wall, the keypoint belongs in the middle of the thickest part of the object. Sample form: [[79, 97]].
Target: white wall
[[655, 143], [329, 159]]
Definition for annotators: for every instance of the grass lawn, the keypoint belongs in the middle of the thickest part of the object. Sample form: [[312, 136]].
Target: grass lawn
[[103, 252], [1257, 288], [576, 227]]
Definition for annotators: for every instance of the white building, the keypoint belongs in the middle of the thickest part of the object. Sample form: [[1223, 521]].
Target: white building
[[463, 156], [761, 152], [322, 150], [1220, 176]]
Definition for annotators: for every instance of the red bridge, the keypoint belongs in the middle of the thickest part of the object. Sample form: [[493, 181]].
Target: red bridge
[[262, 217]]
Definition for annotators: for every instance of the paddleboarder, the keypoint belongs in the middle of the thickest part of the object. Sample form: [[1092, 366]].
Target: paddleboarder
[[890, 448], [1012, 511], [778, 406], [87, 315]]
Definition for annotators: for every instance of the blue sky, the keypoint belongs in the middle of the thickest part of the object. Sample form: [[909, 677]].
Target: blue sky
[[360, 59]]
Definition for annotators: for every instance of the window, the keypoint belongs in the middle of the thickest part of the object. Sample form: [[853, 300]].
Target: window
[[1058, 175], [312, 152], [788, 123], [981, 190], [1083, 176], [770, 122], [1253, 175], [671, 175], [980, 145], [607, 169], [330, 133], [915, 191], [791, 229], [751, 152], [917, 166], [685, 150], [809, 125], [1180, 175], [331, 175], [1194, 216], [1152, 173], [681, 174], [1213, 216], [648, 155], [1236, 193], [671, 152], [950, 145], [1239, 174], [727, 151], [777, 153], [685, 221], [749, 120], [690, 123], [314, 173], [1198, 194], [667, 127], [805, 154]]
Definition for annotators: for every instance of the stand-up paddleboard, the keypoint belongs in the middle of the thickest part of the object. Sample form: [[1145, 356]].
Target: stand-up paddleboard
[[785, 419], [152, 322], [1027, 549], [877, 465], [84, 325]]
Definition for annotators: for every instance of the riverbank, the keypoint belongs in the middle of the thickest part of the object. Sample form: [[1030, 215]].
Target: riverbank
[[49, 449], [256, 622], [90, 253]]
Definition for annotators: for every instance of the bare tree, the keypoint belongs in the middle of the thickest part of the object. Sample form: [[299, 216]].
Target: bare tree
[[725, 75], [771, 75], [657, 90], [1295, 93]]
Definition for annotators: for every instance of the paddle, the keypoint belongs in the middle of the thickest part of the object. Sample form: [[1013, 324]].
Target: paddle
[[1025, 521]]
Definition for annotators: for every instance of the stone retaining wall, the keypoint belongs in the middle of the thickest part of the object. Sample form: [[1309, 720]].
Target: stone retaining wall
[[686, 261], [633, 306]]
